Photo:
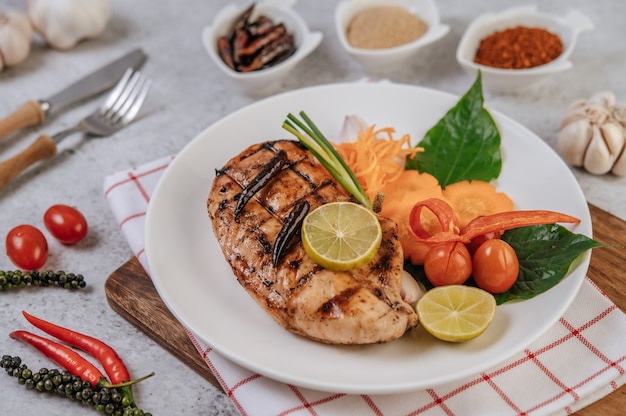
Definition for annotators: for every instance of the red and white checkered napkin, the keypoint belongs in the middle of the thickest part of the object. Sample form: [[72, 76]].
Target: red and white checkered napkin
[[579, 360]]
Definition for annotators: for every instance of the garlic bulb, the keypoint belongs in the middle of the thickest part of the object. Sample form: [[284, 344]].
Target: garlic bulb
[[63, 23], [604, 98], [593, 135], [412, 291], [619, 113], [16, 35]]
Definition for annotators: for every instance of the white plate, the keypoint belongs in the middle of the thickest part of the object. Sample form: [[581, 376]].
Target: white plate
[[198, 286]]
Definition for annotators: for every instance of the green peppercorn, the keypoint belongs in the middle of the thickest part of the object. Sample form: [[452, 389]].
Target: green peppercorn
[[66, 376], [17, 278], [77, 385], [53, 381], [87, 393], [48, 385]]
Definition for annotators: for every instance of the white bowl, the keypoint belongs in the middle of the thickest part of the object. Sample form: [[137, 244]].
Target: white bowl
[[382, 60], [280, 11], [567, 28]]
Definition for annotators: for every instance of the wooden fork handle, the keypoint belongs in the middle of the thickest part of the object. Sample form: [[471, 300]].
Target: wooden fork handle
[[28, 114], [42, 148]]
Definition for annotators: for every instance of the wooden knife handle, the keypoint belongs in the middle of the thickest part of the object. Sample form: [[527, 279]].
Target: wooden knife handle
[[42, 148], [28, 114]]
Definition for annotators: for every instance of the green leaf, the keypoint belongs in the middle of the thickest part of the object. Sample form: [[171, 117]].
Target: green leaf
[[545, 254], [463, 145]]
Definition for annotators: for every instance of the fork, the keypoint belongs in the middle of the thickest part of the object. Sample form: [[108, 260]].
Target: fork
[[118, 110]]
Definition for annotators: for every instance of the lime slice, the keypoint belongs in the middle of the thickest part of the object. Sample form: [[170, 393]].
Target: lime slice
[[341, 235], [456, 313]]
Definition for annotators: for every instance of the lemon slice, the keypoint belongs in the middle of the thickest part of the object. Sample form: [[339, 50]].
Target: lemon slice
[[341, 235], [456, 313]]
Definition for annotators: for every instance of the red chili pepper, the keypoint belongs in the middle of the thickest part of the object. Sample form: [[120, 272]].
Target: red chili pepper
[[513, 219], [110, 360], [73, 362], [493, 223], [446, 217], [67, 358]]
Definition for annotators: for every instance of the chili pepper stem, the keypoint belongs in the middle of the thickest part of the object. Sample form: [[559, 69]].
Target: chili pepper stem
[[125, 387], [105, 383]]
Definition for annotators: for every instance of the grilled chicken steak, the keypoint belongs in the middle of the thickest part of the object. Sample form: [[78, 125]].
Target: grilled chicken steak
[[360, 306]]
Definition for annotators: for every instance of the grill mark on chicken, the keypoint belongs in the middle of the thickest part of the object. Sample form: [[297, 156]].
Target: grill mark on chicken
[[337, 303], [356, 307]]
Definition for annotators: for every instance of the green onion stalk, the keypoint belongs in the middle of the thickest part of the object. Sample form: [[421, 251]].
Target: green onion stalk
[[313, 139]]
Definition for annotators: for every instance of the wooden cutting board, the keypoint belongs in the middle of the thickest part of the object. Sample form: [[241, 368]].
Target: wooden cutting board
[[130, 293]]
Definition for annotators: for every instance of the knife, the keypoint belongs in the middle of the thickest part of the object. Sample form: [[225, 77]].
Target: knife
[[35, 112]]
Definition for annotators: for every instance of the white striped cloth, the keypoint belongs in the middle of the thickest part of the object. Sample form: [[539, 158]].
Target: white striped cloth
[[579, 360]]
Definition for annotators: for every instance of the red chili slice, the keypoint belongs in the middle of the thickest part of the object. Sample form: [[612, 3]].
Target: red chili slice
[[513, 219], [493, 223], [446, 217]]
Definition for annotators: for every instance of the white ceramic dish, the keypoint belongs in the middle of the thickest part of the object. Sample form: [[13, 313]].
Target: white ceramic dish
[[567, 27], [259, 82], [198, 286], [382, 60]]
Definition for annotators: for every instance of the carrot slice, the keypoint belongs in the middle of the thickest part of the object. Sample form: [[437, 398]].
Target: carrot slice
[[400, 196], [474, 199]]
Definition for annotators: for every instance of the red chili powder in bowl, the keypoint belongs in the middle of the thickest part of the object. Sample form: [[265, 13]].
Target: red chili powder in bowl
[[518, 48]]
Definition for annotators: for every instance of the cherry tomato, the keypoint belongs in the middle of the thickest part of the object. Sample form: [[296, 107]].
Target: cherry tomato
[[27, 247], [476, 242], [448, 264], [65, 223], [495, 266]]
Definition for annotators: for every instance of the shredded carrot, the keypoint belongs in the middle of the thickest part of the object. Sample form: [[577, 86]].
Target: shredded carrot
[[375, 160]]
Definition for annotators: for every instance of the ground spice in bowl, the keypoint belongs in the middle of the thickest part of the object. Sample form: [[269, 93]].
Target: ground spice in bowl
[[519, 48], [384, 27]]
